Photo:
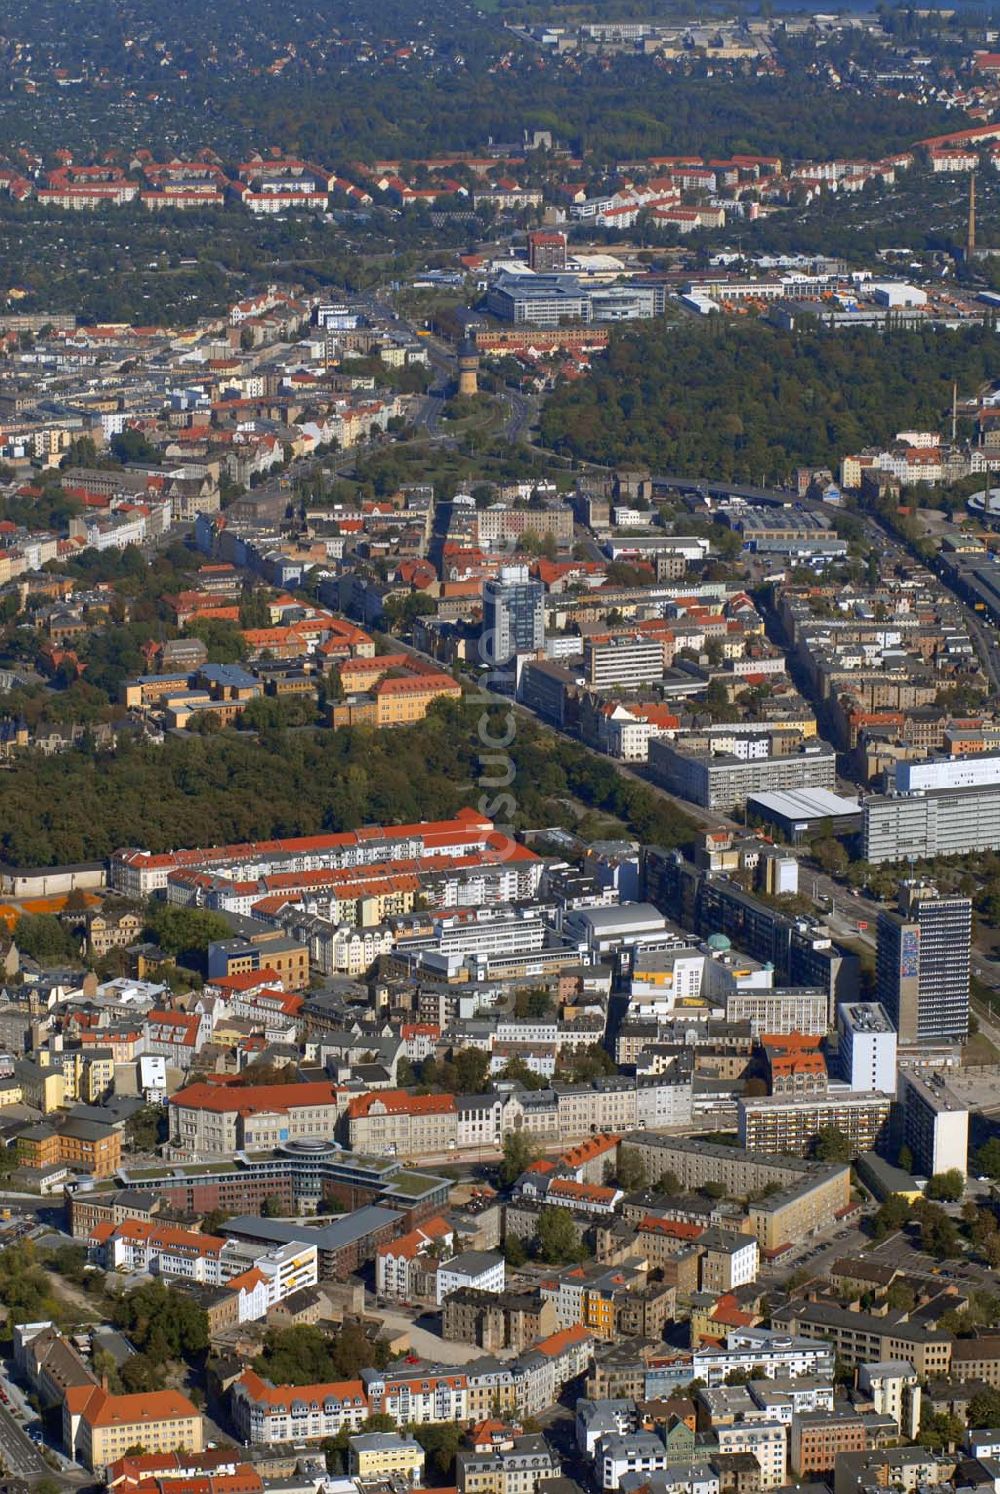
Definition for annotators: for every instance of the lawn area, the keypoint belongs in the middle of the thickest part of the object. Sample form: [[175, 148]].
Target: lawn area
[[979, 1050]]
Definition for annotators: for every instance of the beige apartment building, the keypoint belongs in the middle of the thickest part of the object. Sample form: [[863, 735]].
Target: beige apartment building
[[812, 1194], [98, 1428]]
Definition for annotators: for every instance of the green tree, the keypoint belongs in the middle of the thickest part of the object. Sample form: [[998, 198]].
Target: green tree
[[988, 1158], [630, 1170], [900, 1297], [590, 1063], [224, 641], [305, 1355], [535, 1004], [24, 1288], [514, 1252], [185, 932], [163, 1320], [131, 445], [516, 1071], [892, 1216], [440, 1442], [946, 1186], [140, 1374], [146, 1128], [831, 1145], [938, 1234], [519, 1151], [984, 1408], [42, 937], [472, 1066], [70, 1261], [213, 1221], [557, 1241], [830, 855], [940, 1432]]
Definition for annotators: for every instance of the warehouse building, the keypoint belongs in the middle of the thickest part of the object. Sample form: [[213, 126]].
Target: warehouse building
[[802, 814]]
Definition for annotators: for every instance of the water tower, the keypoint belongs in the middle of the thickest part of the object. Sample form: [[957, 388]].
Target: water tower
[[468, 367]]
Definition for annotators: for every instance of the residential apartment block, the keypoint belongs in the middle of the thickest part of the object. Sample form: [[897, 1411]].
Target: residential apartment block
[[788, 1124]]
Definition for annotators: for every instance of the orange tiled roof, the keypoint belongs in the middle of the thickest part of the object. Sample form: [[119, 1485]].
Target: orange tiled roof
[[100, 1409]]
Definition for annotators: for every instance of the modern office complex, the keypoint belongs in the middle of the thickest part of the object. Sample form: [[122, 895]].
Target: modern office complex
[[513, 615], [922, 967], [935, 822], [781, 1010], [551, 299], [625, 663]]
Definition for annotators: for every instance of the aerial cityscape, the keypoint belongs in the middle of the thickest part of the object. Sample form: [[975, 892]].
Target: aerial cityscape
[[499, 748]]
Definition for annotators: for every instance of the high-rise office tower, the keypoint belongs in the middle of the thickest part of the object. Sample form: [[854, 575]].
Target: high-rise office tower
[[922, 965], [513, 616]]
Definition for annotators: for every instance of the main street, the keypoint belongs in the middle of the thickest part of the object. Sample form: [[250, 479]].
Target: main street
[[20, 1456]]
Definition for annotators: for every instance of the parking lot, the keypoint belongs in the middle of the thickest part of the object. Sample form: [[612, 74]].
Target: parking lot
[[899, 1251], [818, 1255]]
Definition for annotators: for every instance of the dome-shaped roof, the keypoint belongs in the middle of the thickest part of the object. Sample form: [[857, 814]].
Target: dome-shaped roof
[[721, 942]]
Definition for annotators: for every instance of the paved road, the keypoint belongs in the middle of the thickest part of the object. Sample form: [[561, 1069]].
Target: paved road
[[19, 1454], [986, 639], [521, 412]]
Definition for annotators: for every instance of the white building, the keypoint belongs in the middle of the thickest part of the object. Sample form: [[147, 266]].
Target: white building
[[766, 1441], [602, 1418], [767, 1353], [894, 1387], [782, 1011], [606, 929], [780, 1400], [266, 1414], [153, 1079], [978, 770], [637, 1453], [935, 1124], [895, 293], [867, 1047], [623, 663], [482, 1269]]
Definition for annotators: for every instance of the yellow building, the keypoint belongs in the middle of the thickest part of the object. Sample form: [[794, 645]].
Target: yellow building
[[97, 1076], [599, 1313], [384, 1454], [42, 1087], [400, 702], [81, 1144], [98, 1428], [105, 932], [87, 1075], [393, 690]]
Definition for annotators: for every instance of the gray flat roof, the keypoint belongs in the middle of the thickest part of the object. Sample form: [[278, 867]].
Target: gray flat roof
[[805, 803], [325, 1237], [472, 1262]]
